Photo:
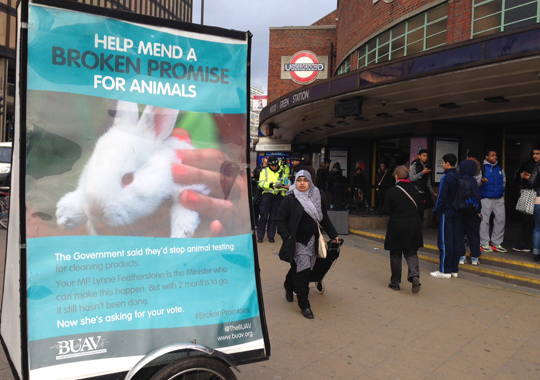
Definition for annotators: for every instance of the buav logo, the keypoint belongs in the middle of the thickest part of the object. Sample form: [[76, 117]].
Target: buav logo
[[304, 67], [73, 348]]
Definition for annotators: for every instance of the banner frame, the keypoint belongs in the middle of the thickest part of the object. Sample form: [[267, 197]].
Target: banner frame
[[22, 86]]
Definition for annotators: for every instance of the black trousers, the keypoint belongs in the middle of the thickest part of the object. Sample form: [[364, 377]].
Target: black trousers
[[470, 225], [298, 282], [269, 208], [412, 262], [526, 231]]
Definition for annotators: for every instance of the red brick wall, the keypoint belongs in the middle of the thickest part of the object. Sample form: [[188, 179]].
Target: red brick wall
[[357, 20], [459, 21], [287, 42], [329, 19]]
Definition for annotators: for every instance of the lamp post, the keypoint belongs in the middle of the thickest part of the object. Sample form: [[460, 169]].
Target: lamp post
[[202, 12]]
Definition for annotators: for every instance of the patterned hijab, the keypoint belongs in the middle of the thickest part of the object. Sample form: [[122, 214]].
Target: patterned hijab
[[309, 199]]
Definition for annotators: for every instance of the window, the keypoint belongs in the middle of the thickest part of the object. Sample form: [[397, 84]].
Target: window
[[345, 66], [423, 32], [493, 16]]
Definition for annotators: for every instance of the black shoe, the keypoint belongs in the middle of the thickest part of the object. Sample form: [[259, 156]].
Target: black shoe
[[288, 294], [271, 240], [536, 257], [308, 313], [415, 285], [393, 286], [259, 240]]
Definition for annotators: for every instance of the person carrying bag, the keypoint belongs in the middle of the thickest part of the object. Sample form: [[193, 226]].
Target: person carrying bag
[[404, 236], [297, 222]]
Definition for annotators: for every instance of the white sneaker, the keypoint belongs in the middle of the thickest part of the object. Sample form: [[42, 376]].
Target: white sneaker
[[439, 274], [462, 260], [454, 274], [475, 261]]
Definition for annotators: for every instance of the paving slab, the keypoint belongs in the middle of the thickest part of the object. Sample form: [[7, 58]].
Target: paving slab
[[462, 328]]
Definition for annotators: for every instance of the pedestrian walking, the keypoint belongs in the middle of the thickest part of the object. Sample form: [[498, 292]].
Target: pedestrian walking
[[404, 204], [303, 208]]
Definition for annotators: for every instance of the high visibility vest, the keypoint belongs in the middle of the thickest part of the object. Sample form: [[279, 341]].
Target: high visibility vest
[[267, 177], [286, 169]]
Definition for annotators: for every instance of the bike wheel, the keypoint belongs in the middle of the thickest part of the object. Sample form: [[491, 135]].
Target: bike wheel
[[195, 368], [4, 212]]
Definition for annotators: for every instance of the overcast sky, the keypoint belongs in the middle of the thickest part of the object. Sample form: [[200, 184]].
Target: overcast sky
[[258, 16]]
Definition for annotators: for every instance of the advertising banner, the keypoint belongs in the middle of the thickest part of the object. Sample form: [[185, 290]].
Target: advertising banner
[[442, 147], [259, 102], [137, 210]]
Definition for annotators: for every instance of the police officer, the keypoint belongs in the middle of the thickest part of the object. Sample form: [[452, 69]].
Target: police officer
[[285, 167], [271, 181]]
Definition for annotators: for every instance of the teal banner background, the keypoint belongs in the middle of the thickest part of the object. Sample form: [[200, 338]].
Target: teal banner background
[[212, 58], [212, 284]]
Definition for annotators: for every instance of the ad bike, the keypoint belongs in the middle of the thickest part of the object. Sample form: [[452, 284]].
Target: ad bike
[[131, 250]]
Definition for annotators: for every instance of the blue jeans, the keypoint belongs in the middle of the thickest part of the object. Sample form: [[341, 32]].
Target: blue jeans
[[536, 235]]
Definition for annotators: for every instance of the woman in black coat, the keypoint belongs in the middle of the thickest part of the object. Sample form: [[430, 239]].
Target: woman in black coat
[[404, 233], [296, 221], [533, 179]]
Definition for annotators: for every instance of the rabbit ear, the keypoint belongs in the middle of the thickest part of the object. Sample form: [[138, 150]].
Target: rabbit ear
[[159, 120], [126, 114]]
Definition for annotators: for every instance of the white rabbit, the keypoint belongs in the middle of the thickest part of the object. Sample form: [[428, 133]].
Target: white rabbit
[[129, 175]]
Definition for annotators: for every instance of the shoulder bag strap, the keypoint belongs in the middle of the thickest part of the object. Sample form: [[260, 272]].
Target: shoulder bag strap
[[411, 198], [384, 175]]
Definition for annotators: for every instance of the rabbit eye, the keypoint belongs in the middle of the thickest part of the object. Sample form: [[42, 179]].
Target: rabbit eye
[[127, 179]]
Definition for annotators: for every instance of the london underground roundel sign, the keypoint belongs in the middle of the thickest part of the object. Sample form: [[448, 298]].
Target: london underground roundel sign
[[304, 67]]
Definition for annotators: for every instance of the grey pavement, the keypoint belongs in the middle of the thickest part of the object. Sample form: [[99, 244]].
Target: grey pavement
[[462, 328]]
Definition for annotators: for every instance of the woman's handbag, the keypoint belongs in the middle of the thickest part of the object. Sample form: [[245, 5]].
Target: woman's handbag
[[323, 246], [525, 203]]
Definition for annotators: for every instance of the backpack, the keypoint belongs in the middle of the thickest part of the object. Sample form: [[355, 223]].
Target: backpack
[[464, 202]]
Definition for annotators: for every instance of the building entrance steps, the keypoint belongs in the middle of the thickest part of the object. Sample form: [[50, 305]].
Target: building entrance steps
[[512, 267]]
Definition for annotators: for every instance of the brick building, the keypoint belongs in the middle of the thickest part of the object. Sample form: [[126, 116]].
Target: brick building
[[448, 76]]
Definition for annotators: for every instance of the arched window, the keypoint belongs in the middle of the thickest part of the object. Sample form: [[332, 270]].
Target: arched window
[[422, 32], [493, 16]]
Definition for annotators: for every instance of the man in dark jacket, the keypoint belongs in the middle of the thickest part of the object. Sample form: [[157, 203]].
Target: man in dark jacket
[[470, 224], [448, 240], [298, 164], [420, 177]]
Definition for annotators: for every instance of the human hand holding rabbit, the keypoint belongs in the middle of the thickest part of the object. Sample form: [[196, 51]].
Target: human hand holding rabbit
[[225, 208]]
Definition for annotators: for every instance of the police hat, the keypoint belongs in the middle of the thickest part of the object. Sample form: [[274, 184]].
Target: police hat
[[272, 160]]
